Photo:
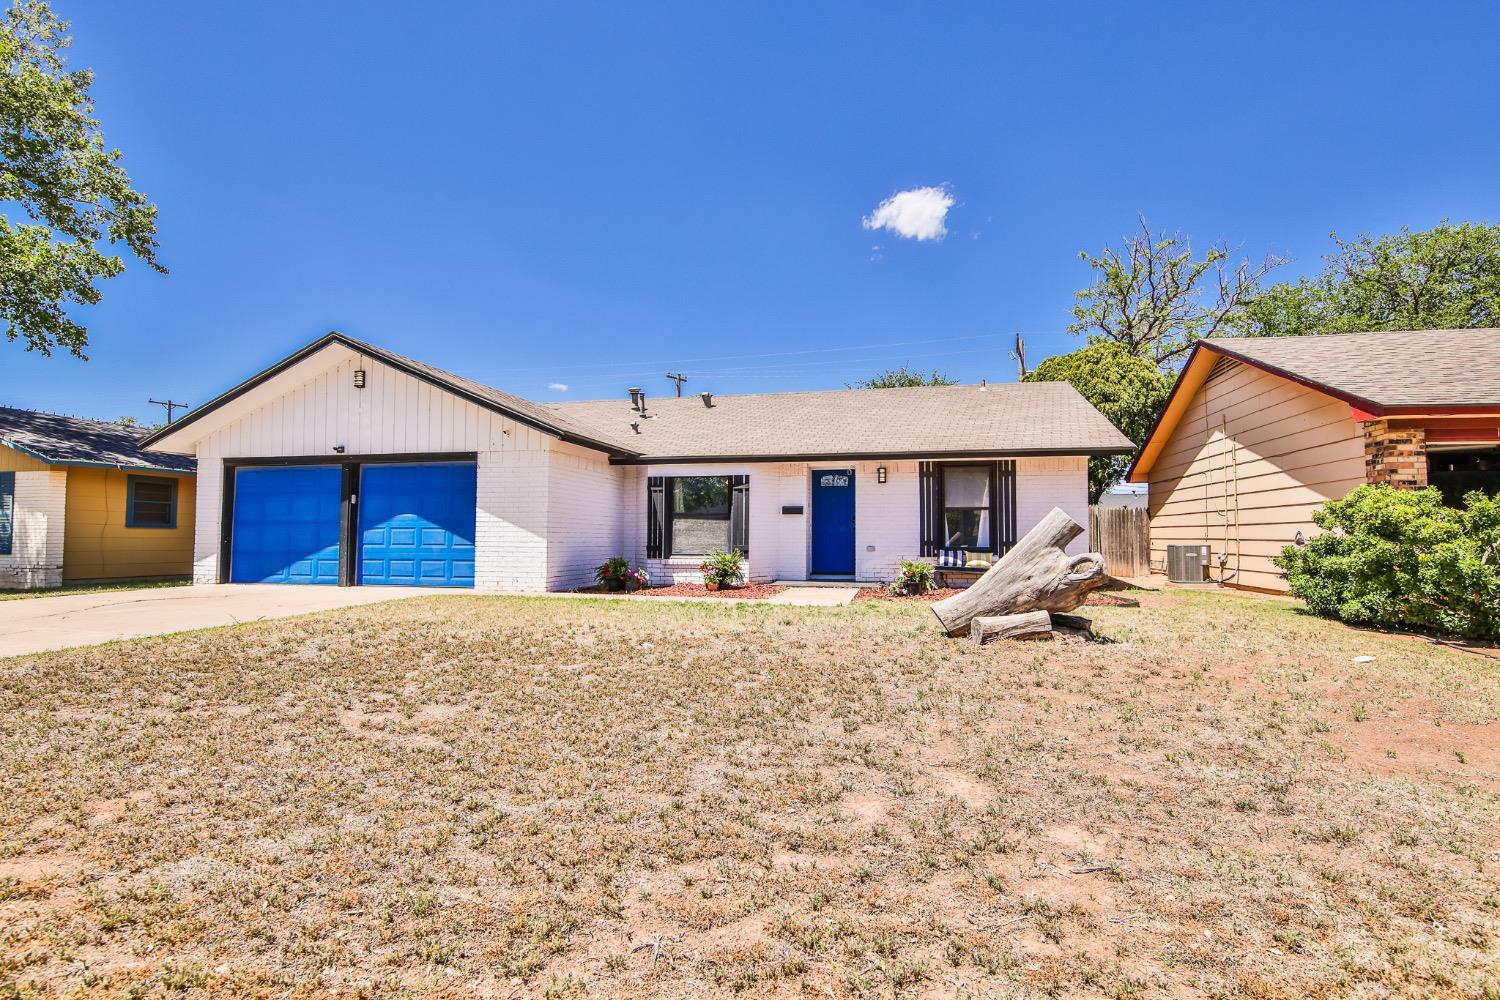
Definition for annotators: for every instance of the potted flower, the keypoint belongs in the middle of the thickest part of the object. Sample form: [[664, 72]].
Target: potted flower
[[723, 569], [613, 574], [635, 579], [916, 577]]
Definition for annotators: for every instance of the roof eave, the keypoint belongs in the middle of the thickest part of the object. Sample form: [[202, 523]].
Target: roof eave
[[82, 463], [872, 456]]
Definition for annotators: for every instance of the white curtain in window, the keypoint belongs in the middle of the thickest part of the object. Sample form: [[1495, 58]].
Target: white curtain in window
[[966, 486]]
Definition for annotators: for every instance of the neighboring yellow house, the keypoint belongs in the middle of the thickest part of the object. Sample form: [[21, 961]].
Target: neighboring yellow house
[[81, 502]]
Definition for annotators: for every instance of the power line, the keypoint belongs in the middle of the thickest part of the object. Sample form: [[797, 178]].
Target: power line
[[769, 354]]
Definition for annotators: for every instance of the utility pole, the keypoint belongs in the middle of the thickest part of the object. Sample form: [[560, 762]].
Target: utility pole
[[170, 405], [678, 378]]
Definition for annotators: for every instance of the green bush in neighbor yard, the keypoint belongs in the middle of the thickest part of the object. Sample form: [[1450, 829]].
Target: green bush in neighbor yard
[[1400, 559]]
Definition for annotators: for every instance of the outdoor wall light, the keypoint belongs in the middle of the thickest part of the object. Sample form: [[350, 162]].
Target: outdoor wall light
[[338, 449], [880, 474], [359, 378]]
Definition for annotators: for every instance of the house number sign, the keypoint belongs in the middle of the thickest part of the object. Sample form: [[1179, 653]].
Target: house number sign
[[834, 479]]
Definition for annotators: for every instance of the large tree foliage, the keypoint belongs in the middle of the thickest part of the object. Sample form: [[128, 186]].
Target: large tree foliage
[[1155, 296], [1447, 277], [1127, 389], [73, 201], [901, 378]]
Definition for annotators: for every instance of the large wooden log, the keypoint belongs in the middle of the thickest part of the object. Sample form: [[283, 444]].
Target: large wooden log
[[1030, 625], [1035, 575]]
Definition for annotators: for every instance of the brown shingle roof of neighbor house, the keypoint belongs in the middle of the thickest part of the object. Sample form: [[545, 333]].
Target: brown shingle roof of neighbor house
[[1027, 418], [77, 441], [1404, 369], [1006, 419]]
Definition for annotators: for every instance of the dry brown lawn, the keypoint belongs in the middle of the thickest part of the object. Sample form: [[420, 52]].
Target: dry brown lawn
[[469, 796]]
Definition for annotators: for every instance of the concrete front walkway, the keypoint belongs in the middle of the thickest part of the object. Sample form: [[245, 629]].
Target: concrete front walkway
[[36, 624]]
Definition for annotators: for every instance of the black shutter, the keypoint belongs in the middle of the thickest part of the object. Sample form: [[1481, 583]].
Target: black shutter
[[930, 507], [7, 510], [1003, 506], [656, 517], [739, 513]]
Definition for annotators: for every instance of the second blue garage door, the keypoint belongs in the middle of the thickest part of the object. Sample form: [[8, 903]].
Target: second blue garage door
[[416, 524]]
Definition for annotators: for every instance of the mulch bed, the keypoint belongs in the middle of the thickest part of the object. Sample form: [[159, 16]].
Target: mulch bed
[[749, 590], [881, 594], [1096, 600]]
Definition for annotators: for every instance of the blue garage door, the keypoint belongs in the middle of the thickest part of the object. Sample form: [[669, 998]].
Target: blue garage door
[[416, 524], [286, 525]]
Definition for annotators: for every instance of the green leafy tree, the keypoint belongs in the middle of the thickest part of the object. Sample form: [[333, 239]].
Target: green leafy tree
[[1447, 277], [73, 201], [1155, 296], [1402, 559], [901, 378], [1126, 388]]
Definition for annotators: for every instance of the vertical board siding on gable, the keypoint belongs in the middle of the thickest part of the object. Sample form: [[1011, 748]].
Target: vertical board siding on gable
[[395, 413], [99, 546], [40, 511], [1252, 458]]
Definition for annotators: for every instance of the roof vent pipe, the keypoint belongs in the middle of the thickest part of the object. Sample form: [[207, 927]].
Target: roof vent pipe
[[635, 398], [708, 399], [641, 401]]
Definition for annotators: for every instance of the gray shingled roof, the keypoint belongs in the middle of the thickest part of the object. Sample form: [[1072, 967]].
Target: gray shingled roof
[[1407, 368], [1036, 418], [1015, 418], [59, 440]]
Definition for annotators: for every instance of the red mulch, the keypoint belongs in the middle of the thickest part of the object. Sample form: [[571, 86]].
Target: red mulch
[[881, 594], [1098, 600], [749, 590], [1103, 599]]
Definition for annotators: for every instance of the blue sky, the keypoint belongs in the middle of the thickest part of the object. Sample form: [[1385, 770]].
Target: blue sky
[[588, 195]]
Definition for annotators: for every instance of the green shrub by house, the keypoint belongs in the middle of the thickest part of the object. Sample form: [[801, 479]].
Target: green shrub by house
[[1400, 559]]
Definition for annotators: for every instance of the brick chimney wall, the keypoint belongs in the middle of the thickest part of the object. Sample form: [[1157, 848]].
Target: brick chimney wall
[[1395, 455]]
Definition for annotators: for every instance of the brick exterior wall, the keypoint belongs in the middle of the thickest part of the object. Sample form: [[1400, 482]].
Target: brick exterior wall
[[36, 552], [1395, 455]]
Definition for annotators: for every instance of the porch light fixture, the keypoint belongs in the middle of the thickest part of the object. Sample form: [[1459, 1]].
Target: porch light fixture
[[359, 378], [880, 474], [338, 449]]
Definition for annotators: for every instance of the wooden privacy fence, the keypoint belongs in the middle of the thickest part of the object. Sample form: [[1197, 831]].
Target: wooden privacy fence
[[1123, 536]]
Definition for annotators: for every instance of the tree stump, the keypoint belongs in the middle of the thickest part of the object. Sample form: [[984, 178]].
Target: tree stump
[[1030, 625], [1035, 575]]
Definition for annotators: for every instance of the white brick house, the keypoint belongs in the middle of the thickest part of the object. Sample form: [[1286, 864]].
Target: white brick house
[[347, 464]]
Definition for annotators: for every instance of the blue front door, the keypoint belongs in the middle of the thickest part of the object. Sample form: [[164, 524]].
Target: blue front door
[[833, 522], [286, 525], [416, 524]]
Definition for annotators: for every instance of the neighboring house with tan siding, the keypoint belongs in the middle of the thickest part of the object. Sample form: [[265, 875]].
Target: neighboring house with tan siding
[[1260, 432], [80, 501]]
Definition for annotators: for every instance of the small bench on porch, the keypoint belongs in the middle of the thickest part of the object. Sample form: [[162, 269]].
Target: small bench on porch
[[957, 567]]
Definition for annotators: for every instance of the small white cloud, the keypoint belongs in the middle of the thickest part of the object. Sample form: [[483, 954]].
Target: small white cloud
[[918, 214], [558, 386]]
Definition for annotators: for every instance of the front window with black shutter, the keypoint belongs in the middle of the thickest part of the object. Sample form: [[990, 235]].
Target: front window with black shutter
[[700, 515], [968, 500], [696, 515]]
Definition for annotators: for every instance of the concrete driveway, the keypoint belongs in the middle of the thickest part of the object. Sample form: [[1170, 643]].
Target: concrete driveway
[[37, 624]]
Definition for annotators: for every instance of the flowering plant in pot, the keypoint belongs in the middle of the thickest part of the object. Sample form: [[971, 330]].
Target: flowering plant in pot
[[637, 578], [723, 569], [613, 574], [916, 577]]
